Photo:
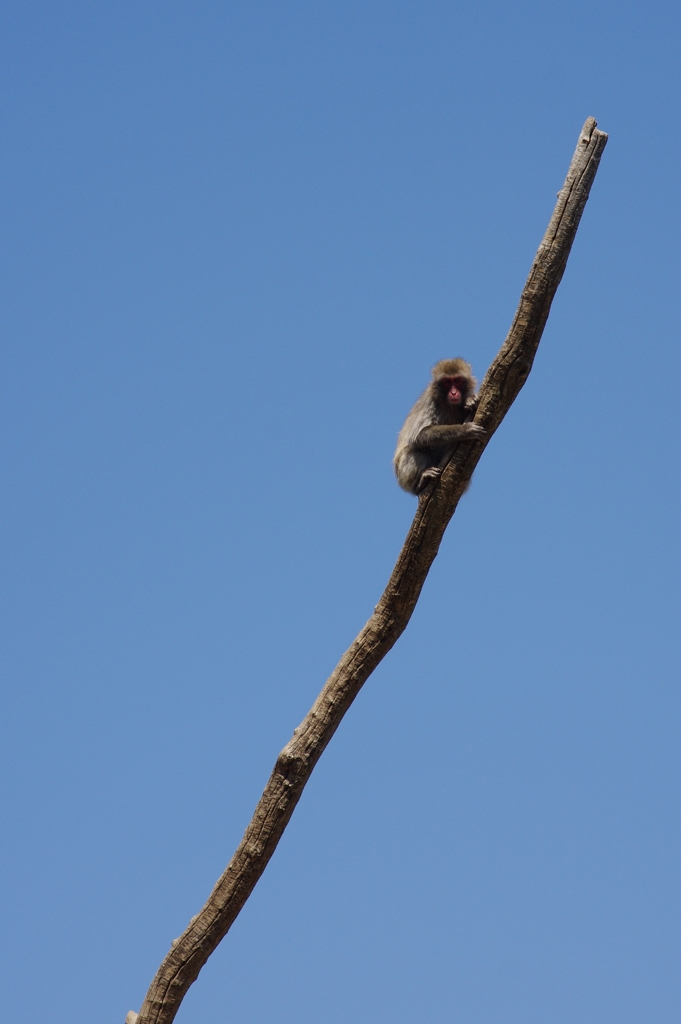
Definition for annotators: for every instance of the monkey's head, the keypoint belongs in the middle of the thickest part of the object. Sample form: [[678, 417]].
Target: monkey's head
[[454, 381]]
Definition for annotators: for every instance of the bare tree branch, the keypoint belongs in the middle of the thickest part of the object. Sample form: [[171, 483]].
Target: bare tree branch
[[437, 504]]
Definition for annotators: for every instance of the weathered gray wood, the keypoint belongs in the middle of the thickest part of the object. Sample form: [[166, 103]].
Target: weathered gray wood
[[437, 504]]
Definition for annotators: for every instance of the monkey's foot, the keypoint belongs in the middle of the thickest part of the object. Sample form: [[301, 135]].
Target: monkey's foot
[[429, 474]]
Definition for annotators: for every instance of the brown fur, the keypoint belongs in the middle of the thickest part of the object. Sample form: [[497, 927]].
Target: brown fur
[[455, 368], [434, 427]]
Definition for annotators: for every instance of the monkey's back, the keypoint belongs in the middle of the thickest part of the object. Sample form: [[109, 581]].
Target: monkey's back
[[410, 461]]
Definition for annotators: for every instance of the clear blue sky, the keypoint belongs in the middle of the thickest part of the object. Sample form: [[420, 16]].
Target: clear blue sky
[[236, 236]]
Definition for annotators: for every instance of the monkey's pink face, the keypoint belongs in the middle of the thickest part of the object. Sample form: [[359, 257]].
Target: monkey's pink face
[[454, 388]]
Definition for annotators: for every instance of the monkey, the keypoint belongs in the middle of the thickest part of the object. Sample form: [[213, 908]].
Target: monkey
[[436, 424]]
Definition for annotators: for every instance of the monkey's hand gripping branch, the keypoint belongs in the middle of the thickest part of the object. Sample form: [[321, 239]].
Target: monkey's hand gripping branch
[[437, 503]]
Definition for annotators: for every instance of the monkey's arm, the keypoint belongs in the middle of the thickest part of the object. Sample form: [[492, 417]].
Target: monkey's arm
[[447, 433]]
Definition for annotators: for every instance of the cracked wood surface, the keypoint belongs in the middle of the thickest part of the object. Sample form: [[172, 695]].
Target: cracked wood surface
[[436, 506]]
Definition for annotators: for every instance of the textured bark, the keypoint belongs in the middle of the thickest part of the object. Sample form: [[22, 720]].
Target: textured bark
[[437, 504]]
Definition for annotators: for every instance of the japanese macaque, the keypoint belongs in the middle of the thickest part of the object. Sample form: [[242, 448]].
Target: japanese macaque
[[436, 424]]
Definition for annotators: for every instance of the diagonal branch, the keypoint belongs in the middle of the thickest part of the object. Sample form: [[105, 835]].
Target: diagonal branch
[[437, 504]]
